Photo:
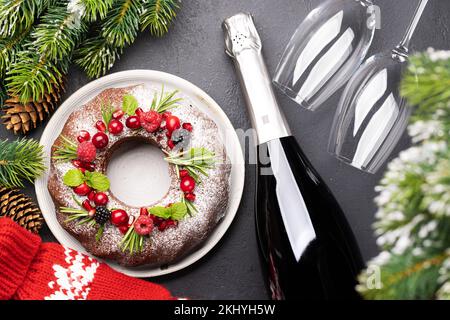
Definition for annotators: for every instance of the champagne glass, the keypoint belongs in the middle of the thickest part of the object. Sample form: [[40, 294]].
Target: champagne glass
[[326, 49], [372, 115]]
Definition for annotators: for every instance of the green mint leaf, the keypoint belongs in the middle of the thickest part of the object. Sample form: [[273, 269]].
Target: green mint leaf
[[178, 211], [129, 104], [97, 181], [73, 178], [160, 212]]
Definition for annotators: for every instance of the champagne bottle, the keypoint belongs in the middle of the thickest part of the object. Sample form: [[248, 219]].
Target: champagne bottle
[[306, 244]]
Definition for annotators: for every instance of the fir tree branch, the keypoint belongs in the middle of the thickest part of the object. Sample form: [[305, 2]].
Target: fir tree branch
[[9, 47], [3, 94], [404, 277], [121, 25], [413, 219], [19, 15], [157, 15], [427, 83], [20, 160], [416, 268], [38, 65], [58, 32], [96, 56], [32, 75], [96, 9]]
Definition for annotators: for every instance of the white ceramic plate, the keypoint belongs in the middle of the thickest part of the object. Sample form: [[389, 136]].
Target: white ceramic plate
[[202, 101]]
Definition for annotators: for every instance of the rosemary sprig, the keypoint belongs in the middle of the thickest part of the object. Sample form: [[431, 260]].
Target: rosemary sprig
[[191, 209], [83, 217], [99, 233], [196, 161], [132, 242], [67, 151], [78, 214], [166, 101], [107, 113], [77, 201]]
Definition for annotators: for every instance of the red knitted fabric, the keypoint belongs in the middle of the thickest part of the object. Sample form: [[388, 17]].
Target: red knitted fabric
[[31, 270]]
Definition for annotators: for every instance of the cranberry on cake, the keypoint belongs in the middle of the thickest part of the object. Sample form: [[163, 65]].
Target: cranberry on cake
[[166, 230]]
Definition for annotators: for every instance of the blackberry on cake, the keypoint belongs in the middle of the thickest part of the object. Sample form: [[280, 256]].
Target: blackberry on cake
[[102, 215]]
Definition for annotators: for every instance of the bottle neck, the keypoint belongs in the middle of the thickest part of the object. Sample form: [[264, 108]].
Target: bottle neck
[[267, 119], [244, 46]]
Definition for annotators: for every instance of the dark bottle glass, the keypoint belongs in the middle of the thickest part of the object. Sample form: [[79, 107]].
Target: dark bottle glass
[[328, 259]]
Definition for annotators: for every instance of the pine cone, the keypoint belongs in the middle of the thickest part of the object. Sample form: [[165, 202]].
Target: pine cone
[[23, 117], [21, 209]]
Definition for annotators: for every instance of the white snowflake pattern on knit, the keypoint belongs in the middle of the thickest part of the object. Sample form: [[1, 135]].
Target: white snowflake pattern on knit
[[73, 281]]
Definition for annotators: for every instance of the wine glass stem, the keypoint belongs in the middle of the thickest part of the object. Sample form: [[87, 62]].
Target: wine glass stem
[[404, 44]]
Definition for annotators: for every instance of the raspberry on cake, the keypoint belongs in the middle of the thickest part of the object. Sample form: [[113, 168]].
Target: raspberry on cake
[[86, 151]]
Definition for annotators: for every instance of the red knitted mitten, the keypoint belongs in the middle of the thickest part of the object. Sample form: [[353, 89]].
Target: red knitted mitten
[[31, 270]]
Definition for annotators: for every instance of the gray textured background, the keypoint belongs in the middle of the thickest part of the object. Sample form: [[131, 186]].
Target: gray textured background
[[194, 50]]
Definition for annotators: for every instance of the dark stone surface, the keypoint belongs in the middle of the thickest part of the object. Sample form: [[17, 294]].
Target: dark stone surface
[[194, 50]]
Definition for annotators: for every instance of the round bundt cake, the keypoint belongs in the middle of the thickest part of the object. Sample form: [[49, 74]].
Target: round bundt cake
[[161, 232]]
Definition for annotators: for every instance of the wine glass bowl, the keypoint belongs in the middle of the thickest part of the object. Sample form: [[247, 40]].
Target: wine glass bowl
[[326, 49], [371, 115]]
